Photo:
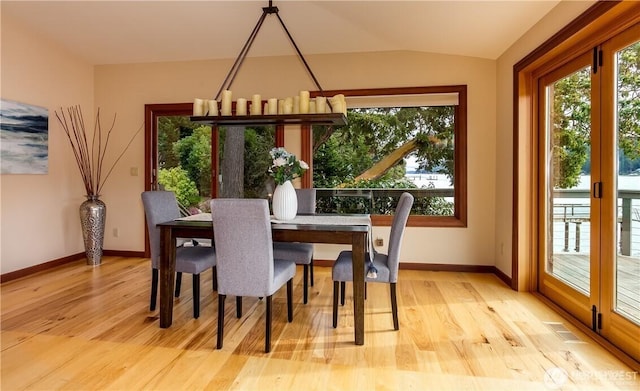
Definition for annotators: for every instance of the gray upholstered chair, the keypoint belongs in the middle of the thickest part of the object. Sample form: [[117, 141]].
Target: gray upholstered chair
[[161, 206], [387, 265], [246, 267], [300, 253]]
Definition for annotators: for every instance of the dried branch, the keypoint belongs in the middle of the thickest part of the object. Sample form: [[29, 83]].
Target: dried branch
[[89, 159]]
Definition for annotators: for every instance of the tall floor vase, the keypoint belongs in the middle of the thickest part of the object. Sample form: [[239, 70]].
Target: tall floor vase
[[93, 213], [285, 201]]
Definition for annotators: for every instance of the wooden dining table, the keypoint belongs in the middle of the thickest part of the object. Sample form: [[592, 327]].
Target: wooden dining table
[[313, 230]]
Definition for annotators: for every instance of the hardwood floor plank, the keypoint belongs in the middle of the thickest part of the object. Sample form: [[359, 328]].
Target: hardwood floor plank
[[78, 327]]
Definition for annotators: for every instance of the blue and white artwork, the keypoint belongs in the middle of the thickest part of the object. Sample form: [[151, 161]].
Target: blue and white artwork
[[24, 138]]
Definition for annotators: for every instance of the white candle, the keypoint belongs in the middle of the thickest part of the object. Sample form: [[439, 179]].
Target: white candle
[[343, 100], [304, 102], [338, 104], [226, 102], [266, 109], [212, 107], [280, 106], [241, 106], [321, 104], [288, 105], [337, 107], [256, 104], [296, 105], [273, 106], [198, 107], [312, 107]]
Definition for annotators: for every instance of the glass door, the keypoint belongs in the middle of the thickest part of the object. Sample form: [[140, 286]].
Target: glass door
[[589, 192], [620, 304], [567, 253]]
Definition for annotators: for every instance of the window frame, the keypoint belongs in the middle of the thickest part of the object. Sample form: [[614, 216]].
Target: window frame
[[459, 217]]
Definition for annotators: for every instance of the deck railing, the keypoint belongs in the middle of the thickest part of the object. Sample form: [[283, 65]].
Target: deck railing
[[434, 202], [572, 207]]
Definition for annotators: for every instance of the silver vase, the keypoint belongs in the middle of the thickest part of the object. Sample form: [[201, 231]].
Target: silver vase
[[93, 213]]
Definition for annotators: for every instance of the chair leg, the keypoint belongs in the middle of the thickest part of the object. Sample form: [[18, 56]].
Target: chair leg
[[220, 320], [311, 271], [267, 339], [335, 304], [196, 296], [305, 284], [238, 307], [214, 278], [178, 284], [290, 300], [394, 306], [342, 290], [365, 290], [154, 289]]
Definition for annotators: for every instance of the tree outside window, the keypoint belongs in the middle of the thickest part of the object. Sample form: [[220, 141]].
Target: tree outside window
[[396, 140]]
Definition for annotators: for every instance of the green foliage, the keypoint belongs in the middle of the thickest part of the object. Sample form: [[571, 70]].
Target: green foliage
[[257, 144], [177, 180], [371, 135], [572, 120], [374, 133], [338, 160], [194, 155], [367, 202], [170, 130], [629, 101], [258, 141], [571, 123]]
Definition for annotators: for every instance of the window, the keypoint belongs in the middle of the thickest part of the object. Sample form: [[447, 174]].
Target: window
[[396, 140], [188, 158]]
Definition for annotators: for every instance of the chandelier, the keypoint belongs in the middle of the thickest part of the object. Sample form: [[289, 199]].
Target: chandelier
[[300, 109]]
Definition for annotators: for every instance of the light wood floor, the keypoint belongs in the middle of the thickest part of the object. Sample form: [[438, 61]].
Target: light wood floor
[[84, 328]]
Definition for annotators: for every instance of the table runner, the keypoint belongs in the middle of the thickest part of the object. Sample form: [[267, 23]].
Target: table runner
[[372, 272]]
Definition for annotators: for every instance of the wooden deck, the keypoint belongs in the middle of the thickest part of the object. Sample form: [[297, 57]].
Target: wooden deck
[[574, 269]]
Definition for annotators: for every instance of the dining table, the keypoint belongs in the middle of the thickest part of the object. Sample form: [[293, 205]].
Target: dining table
[[350, 230]]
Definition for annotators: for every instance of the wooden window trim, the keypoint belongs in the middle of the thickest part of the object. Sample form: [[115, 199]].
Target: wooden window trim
[[459, 218]]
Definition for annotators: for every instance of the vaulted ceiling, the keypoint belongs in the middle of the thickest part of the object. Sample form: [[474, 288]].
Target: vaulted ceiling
[[112, 32]]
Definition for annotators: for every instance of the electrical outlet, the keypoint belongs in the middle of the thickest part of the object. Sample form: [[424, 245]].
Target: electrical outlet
[[379, 242], [115, 232]]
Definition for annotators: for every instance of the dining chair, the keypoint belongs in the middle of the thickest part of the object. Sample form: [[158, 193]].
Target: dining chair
[[386, 264], [300, 253], [246, 266], [162, 206]]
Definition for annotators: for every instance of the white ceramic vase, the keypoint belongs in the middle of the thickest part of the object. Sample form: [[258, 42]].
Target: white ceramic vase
[[285, 202]]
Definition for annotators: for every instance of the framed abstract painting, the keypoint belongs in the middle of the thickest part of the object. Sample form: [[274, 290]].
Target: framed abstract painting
[[24, 138]]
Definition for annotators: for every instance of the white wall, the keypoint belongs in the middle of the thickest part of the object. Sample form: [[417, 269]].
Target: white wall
[[39, 213], [39, 216], [126, 88]]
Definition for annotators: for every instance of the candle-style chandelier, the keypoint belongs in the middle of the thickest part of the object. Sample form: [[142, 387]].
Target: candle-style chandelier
[[299, 109]]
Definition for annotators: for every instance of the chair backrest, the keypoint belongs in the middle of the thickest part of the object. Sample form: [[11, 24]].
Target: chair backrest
[[306, 201], [244, 247], [159, 206], [397, 231]]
